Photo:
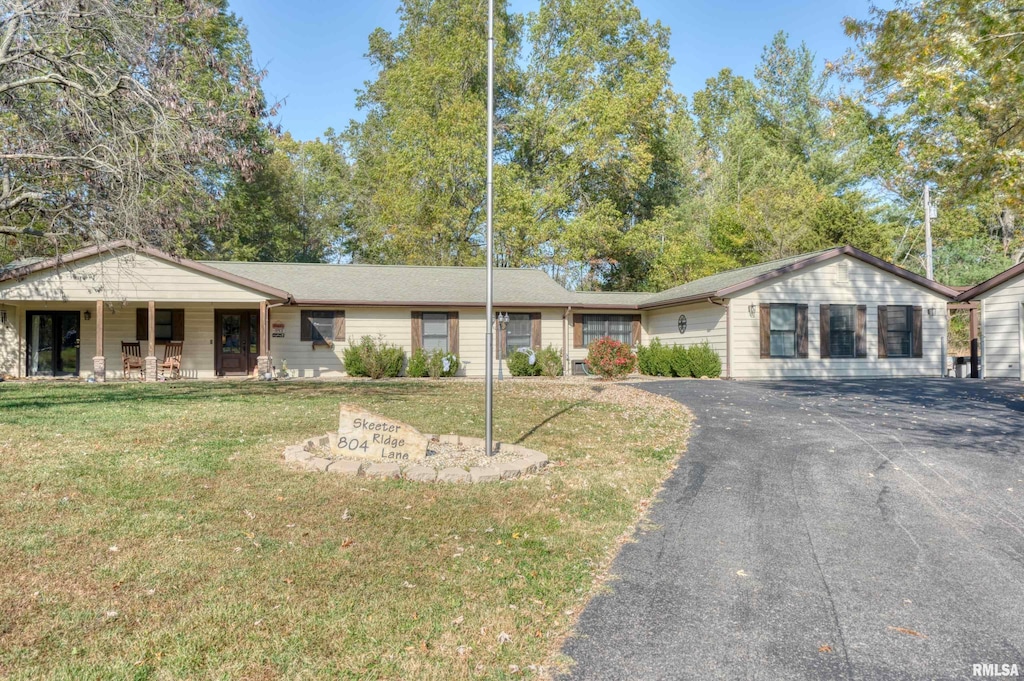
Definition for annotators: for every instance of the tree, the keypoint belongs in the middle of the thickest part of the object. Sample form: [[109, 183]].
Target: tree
[[293, 210], [120, 119], [948, 76], [419, 180], [591, 134]]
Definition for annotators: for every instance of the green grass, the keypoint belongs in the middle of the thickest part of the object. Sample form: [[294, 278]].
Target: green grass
[[230, 565]]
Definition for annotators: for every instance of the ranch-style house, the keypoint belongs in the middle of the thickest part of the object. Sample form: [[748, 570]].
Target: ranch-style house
[[839, 312]]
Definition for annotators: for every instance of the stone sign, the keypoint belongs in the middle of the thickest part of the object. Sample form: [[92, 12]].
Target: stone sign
[[369, 436]]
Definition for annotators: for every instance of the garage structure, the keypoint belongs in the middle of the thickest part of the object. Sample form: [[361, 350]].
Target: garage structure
[[1001, 300]]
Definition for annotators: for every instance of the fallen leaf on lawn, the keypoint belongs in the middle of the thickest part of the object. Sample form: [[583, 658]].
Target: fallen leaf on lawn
[[908, 632], [347, 542], [287, 580], [458, 620], [345, 515], [407, 585], [504, 638], [463, 650], [824, 648]]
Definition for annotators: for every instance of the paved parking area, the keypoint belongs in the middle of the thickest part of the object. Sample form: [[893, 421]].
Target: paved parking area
[[825, 530]]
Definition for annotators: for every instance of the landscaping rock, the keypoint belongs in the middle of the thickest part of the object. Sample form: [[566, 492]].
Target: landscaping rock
[[484, 474], [420, 474], [512, 469], [318, 463], [383, 470], [453, 475], [539, 459], [346, 467], [296, 453]]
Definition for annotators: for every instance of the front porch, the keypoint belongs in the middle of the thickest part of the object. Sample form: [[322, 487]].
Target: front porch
[[48, 339]]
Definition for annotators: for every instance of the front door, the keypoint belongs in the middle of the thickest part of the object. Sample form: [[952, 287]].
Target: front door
[[238, 341], [53, 343]]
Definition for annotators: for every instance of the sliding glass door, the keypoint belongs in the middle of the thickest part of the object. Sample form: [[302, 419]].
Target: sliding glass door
[[53, 343]]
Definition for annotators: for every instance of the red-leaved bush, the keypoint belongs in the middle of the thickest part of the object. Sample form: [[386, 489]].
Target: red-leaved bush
[[610, 359]]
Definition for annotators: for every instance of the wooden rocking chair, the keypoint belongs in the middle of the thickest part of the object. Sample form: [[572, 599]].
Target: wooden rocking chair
[[172, 360], [131, 358]]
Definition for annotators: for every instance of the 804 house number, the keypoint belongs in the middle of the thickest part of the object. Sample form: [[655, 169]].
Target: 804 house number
[[385, 446]]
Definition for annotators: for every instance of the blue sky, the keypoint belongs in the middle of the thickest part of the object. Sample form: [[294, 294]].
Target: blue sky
[[313, 50]]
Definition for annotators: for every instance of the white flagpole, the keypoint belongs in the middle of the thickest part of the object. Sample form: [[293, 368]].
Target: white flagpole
[[489, 363]]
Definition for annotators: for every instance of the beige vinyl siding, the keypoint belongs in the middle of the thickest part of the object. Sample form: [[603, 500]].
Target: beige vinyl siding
[[393, 325], [704, 322], [819, 285], [1002, 333], [125, 277]]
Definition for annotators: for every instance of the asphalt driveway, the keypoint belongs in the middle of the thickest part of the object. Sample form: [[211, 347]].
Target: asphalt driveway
[[825, 530]]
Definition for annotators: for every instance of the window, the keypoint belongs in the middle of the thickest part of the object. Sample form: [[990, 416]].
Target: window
[[164, 325], [435, 331], [842, 330], [169, 325], [322, 327], [518, 331], [899, 331], [616, 326], [783, 331]]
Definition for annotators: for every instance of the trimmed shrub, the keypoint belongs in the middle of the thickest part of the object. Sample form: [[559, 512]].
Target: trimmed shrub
[[417, 364], [373, 358], [523, 362], [610, 359], [655, 359], [442, 364], [353, 360], [704, 361], [550, 361], [679, 361]]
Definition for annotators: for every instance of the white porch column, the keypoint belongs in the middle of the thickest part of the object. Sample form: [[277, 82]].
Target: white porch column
[[99, 362], [150, 361], [263, 359]]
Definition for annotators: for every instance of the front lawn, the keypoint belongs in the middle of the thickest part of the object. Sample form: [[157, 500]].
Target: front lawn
[[152, 531]]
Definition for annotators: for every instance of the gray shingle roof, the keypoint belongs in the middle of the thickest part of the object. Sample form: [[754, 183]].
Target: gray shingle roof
[[401, 284], [708, 286]]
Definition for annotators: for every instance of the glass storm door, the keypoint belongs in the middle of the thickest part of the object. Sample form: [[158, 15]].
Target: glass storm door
[[237, 341], [53, 343]]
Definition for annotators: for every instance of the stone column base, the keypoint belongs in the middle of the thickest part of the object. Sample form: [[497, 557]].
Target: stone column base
[[150, 368], [263, 366], [99, 369]]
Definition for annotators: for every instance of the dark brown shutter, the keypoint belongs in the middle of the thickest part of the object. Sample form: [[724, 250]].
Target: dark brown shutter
[[766, 330], [917, 342], [417, 330], [883, 332], [825, 324], [339, 325], [141, 324], [861, 334], [305, 325], [577, 331], [636, 329], [177, 325], [453, 333], [535, 330], [801, 331]]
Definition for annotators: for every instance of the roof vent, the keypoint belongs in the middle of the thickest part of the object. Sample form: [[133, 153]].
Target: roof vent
[[842, 273]]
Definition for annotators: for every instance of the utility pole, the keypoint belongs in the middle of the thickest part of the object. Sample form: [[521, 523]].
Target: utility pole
[[928, 234], [489, 362]]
